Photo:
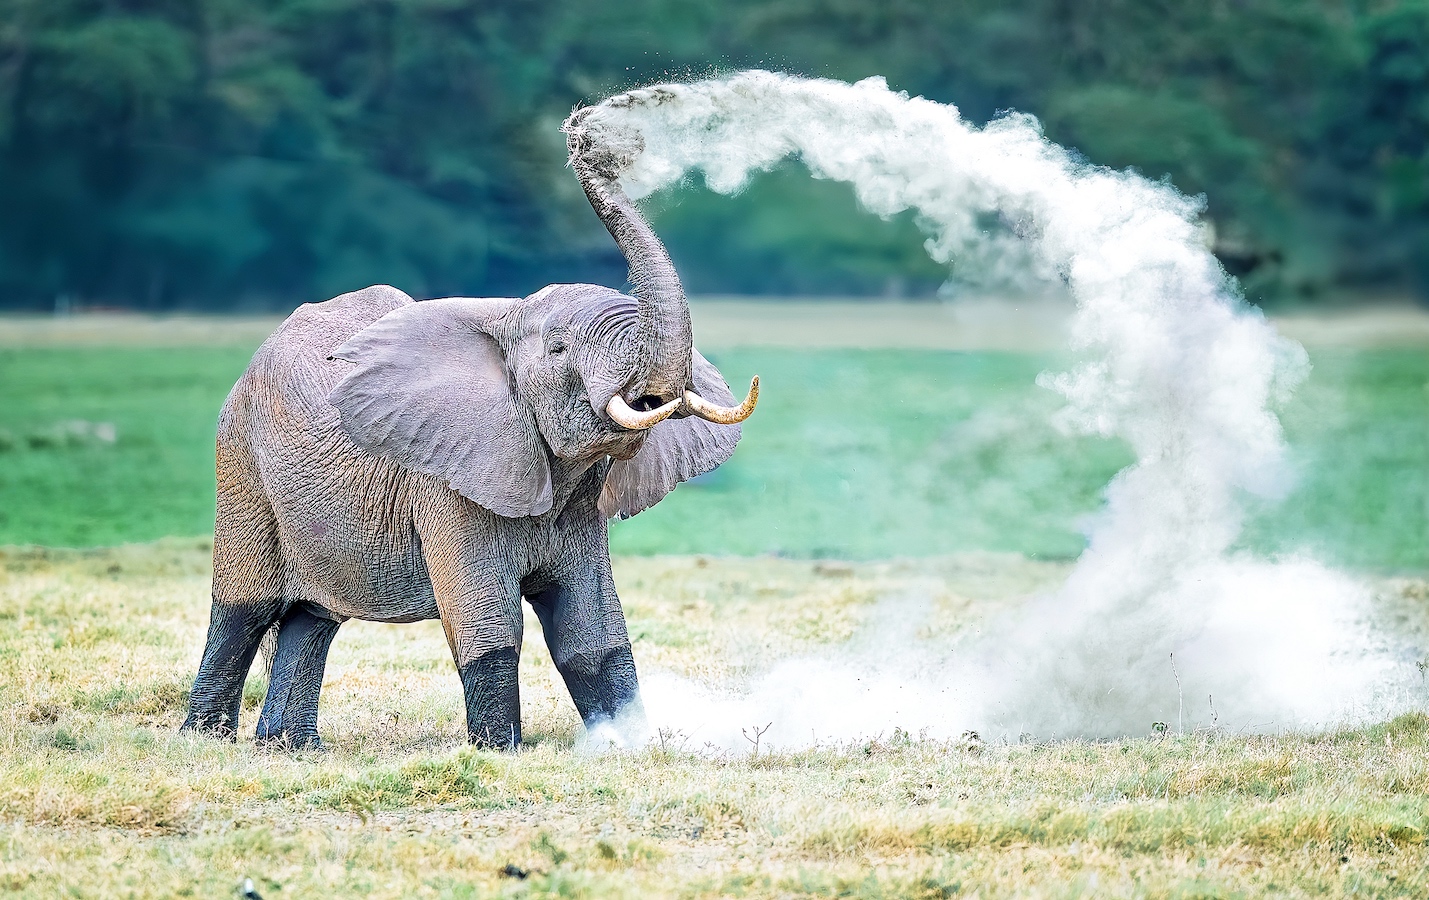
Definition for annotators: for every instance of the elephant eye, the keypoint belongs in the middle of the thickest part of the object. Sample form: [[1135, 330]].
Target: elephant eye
[[557, 346]]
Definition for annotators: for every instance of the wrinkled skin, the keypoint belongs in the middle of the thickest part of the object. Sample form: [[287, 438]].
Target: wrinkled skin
[[392, 460]]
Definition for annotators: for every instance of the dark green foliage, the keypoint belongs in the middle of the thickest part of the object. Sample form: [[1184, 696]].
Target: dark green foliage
[[862, 454], [211, 152], [222, 153]]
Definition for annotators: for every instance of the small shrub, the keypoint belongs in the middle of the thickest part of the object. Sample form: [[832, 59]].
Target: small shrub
[[59, 738]]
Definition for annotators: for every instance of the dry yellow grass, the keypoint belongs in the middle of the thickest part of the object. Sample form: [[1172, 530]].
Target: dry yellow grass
[[100, 796]]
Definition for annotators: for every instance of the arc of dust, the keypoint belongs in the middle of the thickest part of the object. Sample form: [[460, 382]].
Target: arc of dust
[[1175, 364]]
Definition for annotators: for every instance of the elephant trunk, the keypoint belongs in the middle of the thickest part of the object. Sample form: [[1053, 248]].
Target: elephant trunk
[[598, 156]]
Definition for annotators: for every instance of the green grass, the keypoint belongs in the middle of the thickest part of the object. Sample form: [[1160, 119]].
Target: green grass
[[1359, 436], [100, 796], [879, 453], [155, 479], [854, 453]]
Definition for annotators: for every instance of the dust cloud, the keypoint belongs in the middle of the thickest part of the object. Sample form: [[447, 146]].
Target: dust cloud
[[1160, 621]]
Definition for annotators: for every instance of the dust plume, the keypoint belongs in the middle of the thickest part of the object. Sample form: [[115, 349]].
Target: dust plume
[[1173, 362]]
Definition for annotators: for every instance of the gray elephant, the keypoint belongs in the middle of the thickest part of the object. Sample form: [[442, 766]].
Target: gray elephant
[[393, 460]]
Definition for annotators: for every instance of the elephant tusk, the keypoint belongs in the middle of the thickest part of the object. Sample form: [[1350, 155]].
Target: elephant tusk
[[621, 413], [724, 415]]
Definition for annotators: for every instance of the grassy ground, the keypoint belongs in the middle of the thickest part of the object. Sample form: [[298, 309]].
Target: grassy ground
[[110, 444], [106, 436], [100, 796]]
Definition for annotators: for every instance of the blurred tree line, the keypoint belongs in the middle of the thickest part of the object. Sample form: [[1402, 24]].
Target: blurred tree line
[[261, 153]]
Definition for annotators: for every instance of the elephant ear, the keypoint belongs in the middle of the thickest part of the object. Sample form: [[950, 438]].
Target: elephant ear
[[431, 391], [676, 450]]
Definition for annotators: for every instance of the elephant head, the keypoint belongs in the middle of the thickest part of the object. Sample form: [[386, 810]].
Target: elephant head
[[490, 394]]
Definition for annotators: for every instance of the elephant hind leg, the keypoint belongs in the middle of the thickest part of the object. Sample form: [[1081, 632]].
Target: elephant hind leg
[[248, 588], [290, 713], [234, 631]]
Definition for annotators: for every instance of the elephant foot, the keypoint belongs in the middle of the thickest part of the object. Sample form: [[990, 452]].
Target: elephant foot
[[605, 690], [288, 739], [493, 700], [488, 738], [217, 727], [281, 727]]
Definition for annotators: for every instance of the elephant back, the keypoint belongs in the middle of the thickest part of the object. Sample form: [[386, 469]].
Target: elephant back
[[297, 358]]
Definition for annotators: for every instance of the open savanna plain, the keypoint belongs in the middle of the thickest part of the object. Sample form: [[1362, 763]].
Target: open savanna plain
[[898, 450]]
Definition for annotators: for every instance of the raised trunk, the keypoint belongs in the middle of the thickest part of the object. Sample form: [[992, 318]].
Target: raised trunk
[[665, 334]]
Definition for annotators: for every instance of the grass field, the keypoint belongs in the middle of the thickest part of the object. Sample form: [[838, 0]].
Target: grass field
[[946, 446], [100, 796], [946, 482]]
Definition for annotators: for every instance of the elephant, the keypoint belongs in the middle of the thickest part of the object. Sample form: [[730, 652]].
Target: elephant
[[397, 460]]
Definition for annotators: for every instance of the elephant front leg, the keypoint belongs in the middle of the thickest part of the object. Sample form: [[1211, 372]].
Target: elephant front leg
[[584, 628], [493, 698], [480, 606], [486, 646]]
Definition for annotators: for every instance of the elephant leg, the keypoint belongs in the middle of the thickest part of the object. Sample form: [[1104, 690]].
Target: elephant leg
[[479, 601], [584, 628], [247, 599], [268, 648], [290, 713], [493, 699], [234, 631]]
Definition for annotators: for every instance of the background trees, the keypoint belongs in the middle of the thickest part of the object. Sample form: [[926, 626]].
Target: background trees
[[260, 153]]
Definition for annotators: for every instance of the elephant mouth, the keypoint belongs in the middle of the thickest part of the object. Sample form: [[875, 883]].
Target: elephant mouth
[[649, 410]]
